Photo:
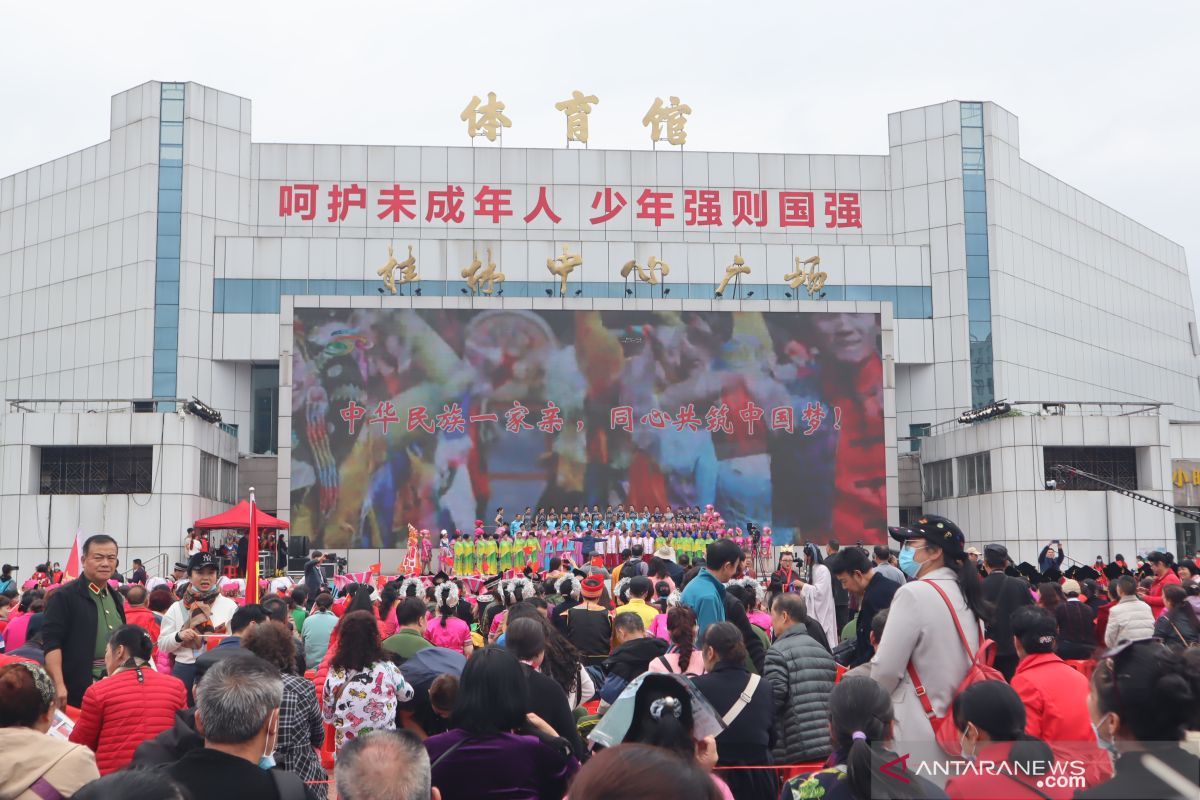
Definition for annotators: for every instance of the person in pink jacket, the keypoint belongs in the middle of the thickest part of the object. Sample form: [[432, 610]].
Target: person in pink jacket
[[447, 629]]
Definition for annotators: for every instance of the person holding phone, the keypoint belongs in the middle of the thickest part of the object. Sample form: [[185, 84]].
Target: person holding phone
[[314, 581]]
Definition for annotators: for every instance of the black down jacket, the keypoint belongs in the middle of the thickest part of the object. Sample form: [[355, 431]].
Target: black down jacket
[[801, 674]]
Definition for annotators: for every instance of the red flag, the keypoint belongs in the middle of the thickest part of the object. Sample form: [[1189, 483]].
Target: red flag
[[375, 568], [75, 559], [252, 555]]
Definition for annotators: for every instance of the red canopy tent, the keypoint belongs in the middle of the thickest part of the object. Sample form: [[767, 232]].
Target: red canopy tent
[[245, 516], [238, 519]]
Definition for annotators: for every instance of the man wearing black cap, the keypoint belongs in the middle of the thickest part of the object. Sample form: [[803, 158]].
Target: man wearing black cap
[[201, 612], [921, 636], [1006, 594]]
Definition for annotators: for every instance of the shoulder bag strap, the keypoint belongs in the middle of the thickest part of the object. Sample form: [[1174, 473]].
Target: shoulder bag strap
[[337, 695], [449, 750], [666, 664], [743, 699], [953, 615], [1177, 633], [577, 690], [926, 706]]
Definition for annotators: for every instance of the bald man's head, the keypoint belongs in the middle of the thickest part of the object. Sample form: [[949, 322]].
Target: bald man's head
[[384, 765]]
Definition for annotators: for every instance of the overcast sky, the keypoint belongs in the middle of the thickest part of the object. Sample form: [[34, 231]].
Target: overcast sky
[[1105, 91]]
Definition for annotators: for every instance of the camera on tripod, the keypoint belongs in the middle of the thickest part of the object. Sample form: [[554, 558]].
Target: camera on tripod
[[754, 531]]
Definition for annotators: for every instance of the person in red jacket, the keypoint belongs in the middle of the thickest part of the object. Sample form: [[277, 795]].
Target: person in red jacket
[[1054, 694], [133, 704], [1164, 575], [137, 612], [990, 720], [1103, 611]]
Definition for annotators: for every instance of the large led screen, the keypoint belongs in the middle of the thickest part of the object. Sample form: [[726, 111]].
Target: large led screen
[[436, 417]]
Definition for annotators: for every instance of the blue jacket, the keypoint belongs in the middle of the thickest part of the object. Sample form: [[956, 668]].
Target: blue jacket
[[706, 596]]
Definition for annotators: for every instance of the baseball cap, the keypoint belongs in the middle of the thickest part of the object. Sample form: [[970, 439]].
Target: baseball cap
[[1070, 586], [180, 565], [973, 551], [201, 561], [938, 531]]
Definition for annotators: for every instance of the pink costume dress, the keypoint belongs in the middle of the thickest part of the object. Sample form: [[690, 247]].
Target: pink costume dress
[[452, 636]]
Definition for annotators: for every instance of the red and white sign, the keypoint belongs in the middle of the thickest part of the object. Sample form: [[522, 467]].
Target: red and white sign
[[467, 206]]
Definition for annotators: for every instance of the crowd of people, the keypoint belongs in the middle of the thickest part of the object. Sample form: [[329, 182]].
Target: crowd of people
[[529, 539], [928, 670]]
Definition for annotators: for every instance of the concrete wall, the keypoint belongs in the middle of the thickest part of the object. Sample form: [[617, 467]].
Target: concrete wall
[[1020, 512], [259, 472], [35, 527]]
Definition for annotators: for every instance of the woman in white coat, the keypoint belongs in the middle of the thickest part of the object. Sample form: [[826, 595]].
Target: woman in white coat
[[818, 593], [921, 630]]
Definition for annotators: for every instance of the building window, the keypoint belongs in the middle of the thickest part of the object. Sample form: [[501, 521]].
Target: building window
[[218, 478], [97, 470], [975, 474], [915, 432], [164, 383], [939, 479], [264, 425], [975, 219], [262, 295], [1116, 465]]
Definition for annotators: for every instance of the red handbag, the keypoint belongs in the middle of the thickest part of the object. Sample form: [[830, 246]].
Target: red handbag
[[980, 669]]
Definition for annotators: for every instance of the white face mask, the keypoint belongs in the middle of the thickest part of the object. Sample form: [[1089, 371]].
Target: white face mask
[[962, 747], [1107, 745]]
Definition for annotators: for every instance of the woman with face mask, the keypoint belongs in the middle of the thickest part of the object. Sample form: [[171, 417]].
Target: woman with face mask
[[922, 644], [301, 728], [1144, 697], [990, 719]]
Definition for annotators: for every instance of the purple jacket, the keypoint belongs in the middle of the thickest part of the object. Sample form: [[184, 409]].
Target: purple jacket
[[501, 765]]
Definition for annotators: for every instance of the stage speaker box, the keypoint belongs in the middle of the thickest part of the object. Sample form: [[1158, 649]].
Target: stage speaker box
[[298, 547], [296, 563]]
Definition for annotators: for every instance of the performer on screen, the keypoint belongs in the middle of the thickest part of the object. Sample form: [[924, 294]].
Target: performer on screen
[[504, 544], [426, 553]]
